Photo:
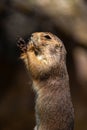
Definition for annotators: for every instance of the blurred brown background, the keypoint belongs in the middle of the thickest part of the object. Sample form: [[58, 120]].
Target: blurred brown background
[[19, 18]]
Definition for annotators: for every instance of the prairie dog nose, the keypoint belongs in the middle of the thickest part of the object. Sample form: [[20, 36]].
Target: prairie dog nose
[[35, 39]]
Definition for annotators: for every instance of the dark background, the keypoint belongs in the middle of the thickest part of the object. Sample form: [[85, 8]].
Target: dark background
[[20, 18]]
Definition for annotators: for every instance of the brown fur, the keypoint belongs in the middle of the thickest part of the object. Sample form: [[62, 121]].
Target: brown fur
[[45, 58]]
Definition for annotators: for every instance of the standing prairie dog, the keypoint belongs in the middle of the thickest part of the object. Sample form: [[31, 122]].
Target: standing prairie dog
[[45, 58]]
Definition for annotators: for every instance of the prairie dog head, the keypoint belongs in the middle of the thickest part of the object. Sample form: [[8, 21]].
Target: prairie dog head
[[45, 52]]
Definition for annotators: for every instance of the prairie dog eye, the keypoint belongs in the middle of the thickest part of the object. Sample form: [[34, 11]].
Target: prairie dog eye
[[47, 37]]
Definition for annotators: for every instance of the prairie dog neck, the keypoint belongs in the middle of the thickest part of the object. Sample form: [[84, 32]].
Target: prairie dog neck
[[49, 82]]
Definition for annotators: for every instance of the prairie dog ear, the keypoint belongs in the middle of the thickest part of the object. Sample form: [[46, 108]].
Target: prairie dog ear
[[22, 45]]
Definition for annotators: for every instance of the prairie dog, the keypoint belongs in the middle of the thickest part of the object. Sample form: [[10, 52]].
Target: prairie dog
[[45, 58]]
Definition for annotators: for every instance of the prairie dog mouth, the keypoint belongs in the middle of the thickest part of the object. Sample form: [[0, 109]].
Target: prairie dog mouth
[[34, 46]]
